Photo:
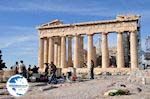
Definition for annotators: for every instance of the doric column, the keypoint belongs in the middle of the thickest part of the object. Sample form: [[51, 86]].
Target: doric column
[[59, 55], [133, 50], [63, 52], [69, 51], [57, 63], [76, 52], [46, 44], [89, 51], [126, 45], [55, 54], [51, 50], [81, 54], [94, 55], [120, 51], [41, 54], [105, 51]]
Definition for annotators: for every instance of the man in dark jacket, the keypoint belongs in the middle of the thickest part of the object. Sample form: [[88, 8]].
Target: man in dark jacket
[[92, 70], [46, 69], [52, 78]]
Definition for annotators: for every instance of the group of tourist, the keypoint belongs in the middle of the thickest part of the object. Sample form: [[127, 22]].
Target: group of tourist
[[50, 71], [71, 74], [20, 68]]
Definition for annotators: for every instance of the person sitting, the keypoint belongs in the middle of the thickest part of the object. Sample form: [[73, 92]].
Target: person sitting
[[70, 76]]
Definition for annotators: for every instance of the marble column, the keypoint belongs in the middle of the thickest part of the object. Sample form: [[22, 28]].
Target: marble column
[[94, 56], [63, 52], [126, 45], [120, 51], [51, 50], [46, 46], [76, 52], [81, 53], [105, 51], [59, 55], [57, 63], [133, 50], [41, 54], [69, 51], [55, 54], [90, 51]]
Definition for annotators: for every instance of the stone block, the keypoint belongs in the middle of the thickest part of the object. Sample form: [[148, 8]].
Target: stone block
[[7, 74], [146, 81]]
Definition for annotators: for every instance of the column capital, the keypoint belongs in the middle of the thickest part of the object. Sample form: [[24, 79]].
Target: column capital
[[90, 34], [62, 36], [134, 31], [45, 37], [70, 36], [119, 32], [50, 37], [104, 33], [76, 35]]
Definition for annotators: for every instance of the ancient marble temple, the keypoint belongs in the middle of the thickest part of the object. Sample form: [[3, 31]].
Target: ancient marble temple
[[55, 37]]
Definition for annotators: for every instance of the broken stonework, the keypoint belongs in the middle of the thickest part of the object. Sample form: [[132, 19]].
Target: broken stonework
[[140, 76]]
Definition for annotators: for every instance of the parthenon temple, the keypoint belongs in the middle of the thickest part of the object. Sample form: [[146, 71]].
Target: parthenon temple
[[56, 43]]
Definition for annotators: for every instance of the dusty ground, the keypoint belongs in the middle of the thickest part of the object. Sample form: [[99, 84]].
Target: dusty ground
[[93, 89]]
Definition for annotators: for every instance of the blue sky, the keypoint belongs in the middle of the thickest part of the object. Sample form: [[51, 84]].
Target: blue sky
[[19, 18]]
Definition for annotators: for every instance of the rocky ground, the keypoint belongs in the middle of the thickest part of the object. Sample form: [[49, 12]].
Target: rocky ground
[[87, 89]]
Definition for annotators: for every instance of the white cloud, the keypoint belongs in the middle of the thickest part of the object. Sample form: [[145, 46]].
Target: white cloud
[[16, 35], [6, 42]]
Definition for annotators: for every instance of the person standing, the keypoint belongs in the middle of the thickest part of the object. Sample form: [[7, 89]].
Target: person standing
[[52, 77], [46, 69], [29, 68], [92, 70], [24, 71], [21, 67], [35, 69], [29, 72], [16, 67]]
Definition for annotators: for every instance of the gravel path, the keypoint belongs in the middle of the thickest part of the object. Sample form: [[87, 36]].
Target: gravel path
[[93, 89]]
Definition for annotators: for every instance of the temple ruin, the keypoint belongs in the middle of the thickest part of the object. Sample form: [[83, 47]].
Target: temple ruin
[[55, 44]]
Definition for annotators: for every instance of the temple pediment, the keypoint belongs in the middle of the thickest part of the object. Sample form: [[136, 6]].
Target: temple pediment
[[52, 23]]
